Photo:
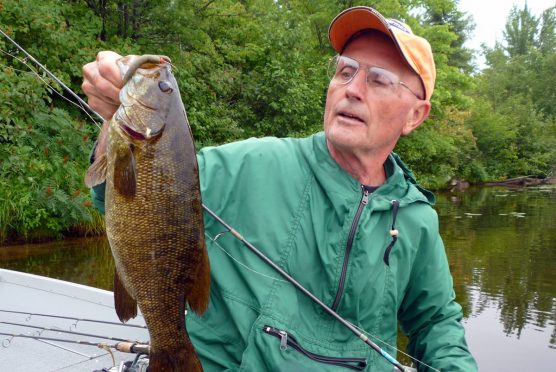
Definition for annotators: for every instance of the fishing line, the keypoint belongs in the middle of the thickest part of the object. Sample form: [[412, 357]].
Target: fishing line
[[59, 330], [386, 344], [123, 346], [89, 357], [396, 349], [77, 320], [47, 340], [79, 99], [20, 335], [300, 287], [52, 89], [241, 263]]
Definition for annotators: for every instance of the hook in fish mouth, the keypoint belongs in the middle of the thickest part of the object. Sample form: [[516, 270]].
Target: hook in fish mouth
[[145, 61]]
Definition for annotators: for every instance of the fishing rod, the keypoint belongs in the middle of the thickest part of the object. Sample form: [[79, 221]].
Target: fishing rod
[[363, 337], [77, 320], [66, 88], [141, 350], [64, 331], [36, 337], [125, 346]]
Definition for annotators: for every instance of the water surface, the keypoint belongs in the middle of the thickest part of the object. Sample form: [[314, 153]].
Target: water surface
[[501, 245], [502, 250]]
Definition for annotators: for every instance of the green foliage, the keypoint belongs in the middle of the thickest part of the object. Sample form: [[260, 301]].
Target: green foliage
[[258, 68], [520, 31], [513, 115], [41, 176], [43, 151], [440, 150]]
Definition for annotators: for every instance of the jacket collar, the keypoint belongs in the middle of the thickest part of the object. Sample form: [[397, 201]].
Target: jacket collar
[[399, 185]]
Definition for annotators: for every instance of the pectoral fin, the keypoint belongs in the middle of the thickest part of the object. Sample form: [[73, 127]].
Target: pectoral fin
[[96, 174], [125, 176], [125, 304]]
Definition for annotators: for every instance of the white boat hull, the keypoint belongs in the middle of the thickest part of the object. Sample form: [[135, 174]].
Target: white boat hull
[[31, 294]]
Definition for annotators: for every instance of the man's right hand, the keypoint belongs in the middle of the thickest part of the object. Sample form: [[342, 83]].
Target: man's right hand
[[102, 82]]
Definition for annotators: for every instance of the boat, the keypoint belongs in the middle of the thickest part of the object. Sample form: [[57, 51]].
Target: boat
[[52, 325]]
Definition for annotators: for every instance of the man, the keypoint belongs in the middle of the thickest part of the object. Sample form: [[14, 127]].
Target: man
[[339, 211]]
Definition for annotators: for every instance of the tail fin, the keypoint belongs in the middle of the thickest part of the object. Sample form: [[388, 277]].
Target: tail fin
[[183, 359]]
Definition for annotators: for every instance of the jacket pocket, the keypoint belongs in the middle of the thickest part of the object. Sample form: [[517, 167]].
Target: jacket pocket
[[287, 340]]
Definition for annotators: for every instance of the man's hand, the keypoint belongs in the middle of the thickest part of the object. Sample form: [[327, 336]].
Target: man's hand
[[102, 83]]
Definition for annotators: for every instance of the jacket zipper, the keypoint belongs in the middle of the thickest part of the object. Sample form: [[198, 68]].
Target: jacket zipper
[[357, 364], [362, 203]]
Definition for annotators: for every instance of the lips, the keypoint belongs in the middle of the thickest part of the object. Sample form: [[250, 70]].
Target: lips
[[350, 115]]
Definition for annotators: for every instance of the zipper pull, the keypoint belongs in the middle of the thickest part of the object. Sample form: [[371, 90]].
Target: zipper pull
[[283, 340], [365, 198]]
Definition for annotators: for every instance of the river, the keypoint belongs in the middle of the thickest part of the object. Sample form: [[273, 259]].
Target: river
[[501, 244]]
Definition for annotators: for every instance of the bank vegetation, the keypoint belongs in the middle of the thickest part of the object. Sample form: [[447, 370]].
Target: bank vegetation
[[258, 68]]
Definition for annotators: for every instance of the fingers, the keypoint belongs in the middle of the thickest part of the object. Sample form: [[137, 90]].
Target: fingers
[[102, 83], [102, 107], [108, 68]]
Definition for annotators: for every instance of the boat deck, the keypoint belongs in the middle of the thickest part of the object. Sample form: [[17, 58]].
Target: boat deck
[[31, 294]]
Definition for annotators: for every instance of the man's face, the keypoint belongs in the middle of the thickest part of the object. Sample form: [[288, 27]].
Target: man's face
[[359, 120]]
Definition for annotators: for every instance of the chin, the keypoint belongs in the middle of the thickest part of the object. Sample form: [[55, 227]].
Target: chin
[[343, 142], [344, 134]]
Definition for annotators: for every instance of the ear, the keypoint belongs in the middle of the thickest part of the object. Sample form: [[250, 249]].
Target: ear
[[416, 116]]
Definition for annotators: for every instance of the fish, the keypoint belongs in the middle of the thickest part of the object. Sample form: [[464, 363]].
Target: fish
[[153, 211]]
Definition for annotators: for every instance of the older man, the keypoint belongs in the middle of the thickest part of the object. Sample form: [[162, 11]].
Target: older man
[[337, 210]]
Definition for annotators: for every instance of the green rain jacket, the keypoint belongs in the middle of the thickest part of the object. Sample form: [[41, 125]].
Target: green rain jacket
[[291, 200]]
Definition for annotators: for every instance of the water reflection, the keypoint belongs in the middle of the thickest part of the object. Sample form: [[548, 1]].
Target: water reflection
[[501, 245], [84, 261], [502, 249]]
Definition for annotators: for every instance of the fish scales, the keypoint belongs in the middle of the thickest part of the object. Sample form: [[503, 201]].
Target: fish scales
[[154, 219]]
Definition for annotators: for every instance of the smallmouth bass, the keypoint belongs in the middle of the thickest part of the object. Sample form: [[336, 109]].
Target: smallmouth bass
[[154, 218]]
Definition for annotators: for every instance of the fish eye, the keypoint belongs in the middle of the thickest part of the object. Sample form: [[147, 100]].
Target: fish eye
[[165, 86]]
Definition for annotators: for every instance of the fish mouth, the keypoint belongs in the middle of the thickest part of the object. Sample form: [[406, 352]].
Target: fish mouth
[[135, 128], [147, 61], [133, 134]]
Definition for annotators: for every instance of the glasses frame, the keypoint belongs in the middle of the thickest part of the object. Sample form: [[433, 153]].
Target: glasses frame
[[332, 69]]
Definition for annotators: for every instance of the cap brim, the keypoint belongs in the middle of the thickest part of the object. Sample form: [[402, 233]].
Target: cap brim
[[350, 21]]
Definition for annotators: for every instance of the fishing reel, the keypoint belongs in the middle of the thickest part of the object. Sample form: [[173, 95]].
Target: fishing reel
[[139, 364]]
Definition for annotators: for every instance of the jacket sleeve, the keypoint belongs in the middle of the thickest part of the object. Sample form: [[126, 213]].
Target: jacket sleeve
[[429, 315], [97, 192]]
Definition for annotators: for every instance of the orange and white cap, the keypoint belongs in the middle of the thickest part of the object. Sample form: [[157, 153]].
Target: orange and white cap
[[414, 49]]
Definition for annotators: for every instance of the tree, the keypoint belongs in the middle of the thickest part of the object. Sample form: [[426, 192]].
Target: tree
[[514, 125], [547, 35], [520, 31]]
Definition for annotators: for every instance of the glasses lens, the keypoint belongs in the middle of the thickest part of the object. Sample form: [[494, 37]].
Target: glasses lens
[[342, 69], [382, 79]]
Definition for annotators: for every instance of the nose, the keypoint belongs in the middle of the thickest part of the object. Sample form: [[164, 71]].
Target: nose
[[357, 87]]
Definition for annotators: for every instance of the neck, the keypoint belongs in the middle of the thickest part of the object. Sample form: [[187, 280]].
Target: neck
[[367, 169]]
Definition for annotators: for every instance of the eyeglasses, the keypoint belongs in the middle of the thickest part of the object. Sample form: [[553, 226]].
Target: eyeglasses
[[342, 70]]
